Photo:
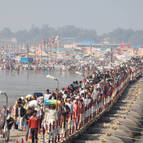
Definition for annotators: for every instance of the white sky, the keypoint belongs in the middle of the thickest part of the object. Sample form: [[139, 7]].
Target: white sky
[[101, 15]]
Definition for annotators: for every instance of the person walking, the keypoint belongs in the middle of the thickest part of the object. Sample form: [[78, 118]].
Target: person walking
[[34, 125], [3, 115]]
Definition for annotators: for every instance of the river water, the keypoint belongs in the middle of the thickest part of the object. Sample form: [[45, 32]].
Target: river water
[[27, 82]]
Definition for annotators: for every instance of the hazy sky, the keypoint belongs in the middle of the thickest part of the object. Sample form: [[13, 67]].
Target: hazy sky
[[101, 15]]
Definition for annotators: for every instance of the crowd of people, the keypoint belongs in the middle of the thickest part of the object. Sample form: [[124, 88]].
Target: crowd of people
[[38, 110]]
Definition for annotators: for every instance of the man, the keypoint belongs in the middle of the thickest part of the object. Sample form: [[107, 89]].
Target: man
[[34, 125], [3, 115], [69, 104], [19, 114], [47, 95], [2, 118], [33, 103]]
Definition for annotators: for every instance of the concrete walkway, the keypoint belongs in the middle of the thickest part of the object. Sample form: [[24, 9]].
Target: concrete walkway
[[15, 136]]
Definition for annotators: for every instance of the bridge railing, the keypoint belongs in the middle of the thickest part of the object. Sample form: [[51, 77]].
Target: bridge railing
[[69, 125]]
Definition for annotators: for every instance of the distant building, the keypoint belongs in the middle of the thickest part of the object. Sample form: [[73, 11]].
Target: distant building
[[86, 44]]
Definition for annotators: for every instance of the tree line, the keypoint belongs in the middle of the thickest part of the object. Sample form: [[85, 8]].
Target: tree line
[[36, 34]]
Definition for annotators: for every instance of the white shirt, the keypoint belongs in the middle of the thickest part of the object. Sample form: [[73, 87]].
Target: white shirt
[[33, 103], [47, 96], [70, 106], [50, 116]]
